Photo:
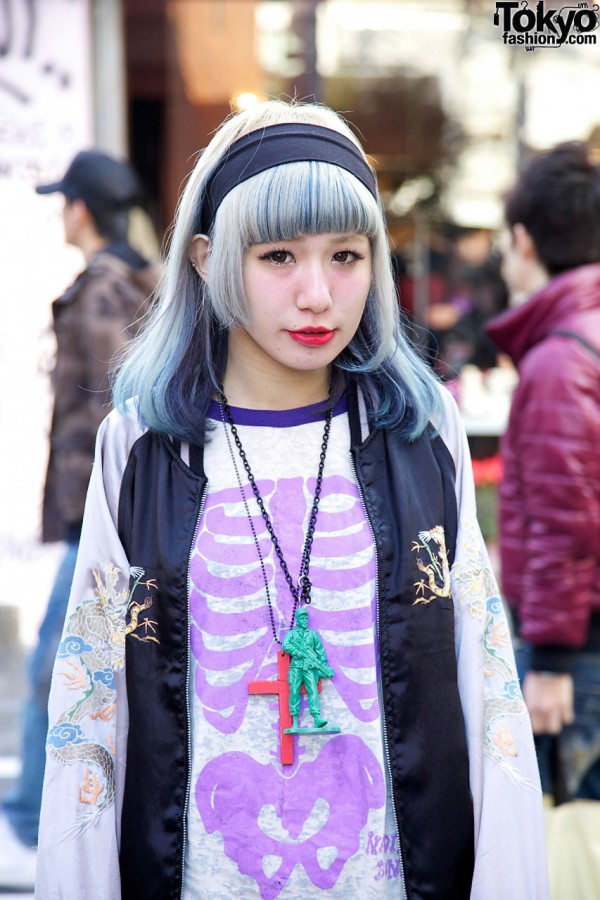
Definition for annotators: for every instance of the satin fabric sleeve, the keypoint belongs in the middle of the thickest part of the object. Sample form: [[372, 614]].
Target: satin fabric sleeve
[[78, 854], [510, 854]]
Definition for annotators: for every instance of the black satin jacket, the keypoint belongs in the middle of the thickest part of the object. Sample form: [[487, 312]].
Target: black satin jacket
[[407, 488]]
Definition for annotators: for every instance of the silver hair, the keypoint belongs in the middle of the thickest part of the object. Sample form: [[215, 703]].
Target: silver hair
[[174, 366]]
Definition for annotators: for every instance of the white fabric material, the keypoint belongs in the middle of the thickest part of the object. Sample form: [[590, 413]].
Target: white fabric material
[[510, 856], [509, 831]]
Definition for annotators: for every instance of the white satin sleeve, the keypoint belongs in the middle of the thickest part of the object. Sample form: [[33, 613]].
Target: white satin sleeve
[[78, 853], [510, 850]]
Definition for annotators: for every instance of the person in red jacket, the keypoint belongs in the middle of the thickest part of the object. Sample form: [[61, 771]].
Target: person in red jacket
[[550, 492]]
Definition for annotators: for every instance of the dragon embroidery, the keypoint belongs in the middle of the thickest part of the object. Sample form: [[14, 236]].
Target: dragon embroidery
[[93, 650], [432, 560]]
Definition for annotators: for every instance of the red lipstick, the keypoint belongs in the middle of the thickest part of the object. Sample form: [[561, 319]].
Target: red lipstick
[[312, 337]]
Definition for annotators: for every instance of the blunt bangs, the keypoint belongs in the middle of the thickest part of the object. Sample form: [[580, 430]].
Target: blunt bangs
[[304, 198]]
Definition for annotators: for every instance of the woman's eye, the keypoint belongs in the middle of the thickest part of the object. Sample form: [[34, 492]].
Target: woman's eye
[[347, 256], [278, 257]]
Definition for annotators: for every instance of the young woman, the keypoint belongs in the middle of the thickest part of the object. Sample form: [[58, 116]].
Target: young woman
[[285, 450]]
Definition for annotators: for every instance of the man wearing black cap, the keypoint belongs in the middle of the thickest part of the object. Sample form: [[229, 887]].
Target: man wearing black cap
[[93, 319]]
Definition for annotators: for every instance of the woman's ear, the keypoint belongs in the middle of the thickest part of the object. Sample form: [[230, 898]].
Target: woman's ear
[[199, 253]]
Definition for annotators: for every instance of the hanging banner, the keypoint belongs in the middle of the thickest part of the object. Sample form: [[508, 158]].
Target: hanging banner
[[46, 117], [45, 86]]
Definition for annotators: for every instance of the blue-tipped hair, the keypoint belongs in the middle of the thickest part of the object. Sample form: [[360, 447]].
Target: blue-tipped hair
[[177, 362]]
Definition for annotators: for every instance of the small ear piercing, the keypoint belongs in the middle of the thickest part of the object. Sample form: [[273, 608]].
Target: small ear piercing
[[197, 268]]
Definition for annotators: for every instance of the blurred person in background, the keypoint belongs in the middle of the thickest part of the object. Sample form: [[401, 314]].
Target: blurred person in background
[[550, 494], [93, 319]]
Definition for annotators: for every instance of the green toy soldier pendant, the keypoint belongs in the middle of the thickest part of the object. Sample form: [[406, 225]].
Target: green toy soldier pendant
[[308, 665], [302, 648]]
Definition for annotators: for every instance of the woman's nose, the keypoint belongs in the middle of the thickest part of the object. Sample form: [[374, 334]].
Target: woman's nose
[[314, 292]]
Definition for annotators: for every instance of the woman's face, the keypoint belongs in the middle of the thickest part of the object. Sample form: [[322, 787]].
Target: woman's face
[[306, 298]]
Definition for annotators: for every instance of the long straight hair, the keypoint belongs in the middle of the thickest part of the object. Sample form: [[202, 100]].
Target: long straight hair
[[178, 360]]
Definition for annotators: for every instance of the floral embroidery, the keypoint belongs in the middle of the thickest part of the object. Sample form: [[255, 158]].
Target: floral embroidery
[[134, 610], [432, 560], [474, 578], [93, 651]]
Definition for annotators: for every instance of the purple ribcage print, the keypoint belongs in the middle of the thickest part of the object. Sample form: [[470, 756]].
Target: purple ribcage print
[[312, 812], [231, 631]]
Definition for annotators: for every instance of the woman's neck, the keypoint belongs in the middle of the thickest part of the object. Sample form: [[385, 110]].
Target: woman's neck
[[256, 389]]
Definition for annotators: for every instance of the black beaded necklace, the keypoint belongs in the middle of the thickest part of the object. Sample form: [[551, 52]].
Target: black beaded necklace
[[301, 592]]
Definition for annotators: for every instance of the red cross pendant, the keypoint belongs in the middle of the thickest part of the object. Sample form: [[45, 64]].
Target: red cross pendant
[[282, 689]]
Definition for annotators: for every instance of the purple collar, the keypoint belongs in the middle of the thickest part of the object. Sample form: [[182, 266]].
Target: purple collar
[[279, 418]]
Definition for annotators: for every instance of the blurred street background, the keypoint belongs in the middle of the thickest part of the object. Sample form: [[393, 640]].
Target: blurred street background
[[447, 104]]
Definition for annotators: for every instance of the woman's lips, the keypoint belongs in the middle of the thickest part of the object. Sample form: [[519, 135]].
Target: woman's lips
[[312, 337]]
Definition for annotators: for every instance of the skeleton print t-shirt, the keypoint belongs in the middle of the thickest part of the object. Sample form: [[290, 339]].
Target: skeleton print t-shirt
[[322, 820]]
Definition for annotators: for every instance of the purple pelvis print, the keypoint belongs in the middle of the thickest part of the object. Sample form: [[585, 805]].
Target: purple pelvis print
[[270, 823]]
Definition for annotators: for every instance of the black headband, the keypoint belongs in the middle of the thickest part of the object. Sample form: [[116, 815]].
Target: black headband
[[276, 145]]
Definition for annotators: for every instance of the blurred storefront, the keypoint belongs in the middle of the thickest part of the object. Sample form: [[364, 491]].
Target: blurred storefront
[[446, 106], [46, 116], [432, 87], [447, 109]]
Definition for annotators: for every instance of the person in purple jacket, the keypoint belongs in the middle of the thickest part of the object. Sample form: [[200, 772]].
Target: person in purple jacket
[[550, 493]]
